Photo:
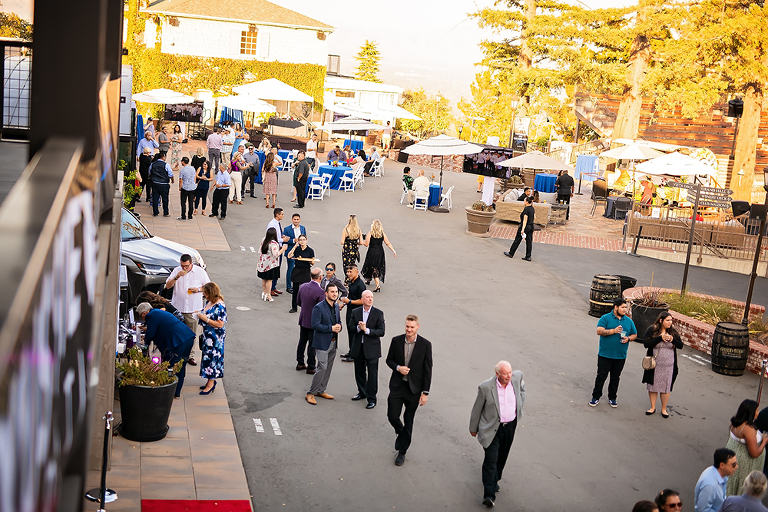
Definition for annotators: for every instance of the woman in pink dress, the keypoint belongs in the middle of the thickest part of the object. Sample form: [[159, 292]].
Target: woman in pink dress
[[268, 267], [269, 175], [662, 341]]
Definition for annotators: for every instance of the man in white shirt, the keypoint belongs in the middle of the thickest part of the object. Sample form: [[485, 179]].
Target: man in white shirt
[[227, 142], [312, 151], [187, 281], [386, 137], [214, 149], [498, 406], [420, 184], [281, 239]]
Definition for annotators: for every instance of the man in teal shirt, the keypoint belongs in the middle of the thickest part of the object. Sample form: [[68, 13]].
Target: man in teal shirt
[[616, 330]]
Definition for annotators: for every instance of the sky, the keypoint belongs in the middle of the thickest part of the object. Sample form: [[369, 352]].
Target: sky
[[423, 43]]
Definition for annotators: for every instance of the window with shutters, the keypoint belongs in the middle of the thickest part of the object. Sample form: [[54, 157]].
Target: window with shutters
[[248, 42]]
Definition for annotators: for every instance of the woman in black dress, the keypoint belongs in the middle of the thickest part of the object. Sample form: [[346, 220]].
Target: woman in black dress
[[302, 253], [145, 160], [204, 177], [375, 265], [351, 237]]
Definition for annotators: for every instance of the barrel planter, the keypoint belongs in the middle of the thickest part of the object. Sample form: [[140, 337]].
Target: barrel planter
[[644, 316], [605, 289], [478, 221], [730, 349], [145, 411]]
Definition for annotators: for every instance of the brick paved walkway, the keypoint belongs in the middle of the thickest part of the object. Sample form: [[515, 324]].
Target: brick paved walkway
[[582, 230]]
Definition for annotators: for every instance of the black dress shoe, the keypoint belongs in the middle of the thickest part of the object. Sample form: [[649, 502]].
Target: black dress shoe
[[488, 502], [347, 360], [526, 259], [370, 405], [508, 255], [400, 459], [212, 215], [345, 355], [292, 310], [358, 397]]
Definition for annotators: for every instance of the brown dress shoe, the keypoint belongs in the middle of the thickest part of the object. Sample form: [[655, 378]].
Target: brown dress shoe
[[311, 371], [274, 293], [278, 292], [310, 399], [325, 395]]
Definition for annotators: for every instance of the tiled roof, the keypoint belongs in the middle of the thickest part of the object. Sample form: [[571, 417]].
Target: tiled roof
[[244, 11]]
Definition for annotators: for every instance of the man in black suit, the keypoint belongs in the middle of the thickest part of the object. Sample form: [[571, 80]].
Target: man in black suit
[[367, 324], [410, 357], [564, 185]]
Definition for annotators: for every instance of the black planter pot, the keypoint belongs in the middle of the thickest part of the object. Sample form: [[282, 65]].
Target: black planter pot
[[644, 317], [145, 411]]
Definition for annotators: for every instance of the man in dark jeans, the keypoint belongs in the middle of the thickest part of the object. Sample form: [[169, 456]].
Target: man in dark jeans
[[616, 330], [161, 176], [300, 176], [187, 189], [564, 186]]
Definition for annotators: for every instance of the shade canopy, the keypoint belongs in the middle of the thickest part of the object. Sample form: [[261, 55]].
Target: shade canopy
[[443, 145], [246, 103], [350, 124], [632, 152], [273, 89], [165, 96], [675, 164], [536, 160], [378, 113]]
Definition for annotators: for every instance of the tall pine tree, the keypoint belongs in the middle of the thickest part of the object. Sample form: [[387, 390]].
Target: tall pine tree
[[368, 62]]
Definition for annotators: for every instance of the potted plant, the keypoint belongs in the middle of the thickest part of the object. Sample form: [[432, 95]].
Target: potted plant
[[146, 387], [479, 217], [645, 310], [131, 189], [514, 181]]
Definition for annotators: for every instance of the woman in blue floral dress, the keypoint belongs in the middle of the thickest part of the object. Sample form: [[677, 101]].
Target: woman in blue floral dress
[[212, 317]]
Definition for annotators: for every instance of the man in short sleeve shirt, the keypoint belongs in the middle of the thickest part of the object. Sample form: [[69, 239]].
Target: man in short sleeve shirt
[[616, 330]]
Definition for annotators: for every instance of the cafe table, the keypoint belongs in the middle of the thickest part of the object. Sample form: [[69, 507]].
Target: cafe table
[[545, 182], [336, 174], [434, 194]]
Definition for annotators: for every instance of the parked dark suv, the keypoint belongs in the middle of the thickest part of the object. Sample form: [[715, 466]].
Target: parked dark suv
[[149, 259]]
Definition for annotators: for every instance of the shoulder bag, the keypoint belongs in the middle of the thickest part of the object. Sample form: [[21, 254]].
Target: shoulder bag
[[649, 362]]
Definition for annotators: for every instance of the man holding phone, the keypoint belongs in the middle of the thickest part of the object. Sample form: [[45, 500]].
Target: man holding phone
[[616, 330]]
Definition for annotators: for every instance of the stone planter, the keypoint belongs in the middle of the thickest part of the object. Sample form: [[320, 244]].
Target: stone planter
[[477, 221], [145, 411]]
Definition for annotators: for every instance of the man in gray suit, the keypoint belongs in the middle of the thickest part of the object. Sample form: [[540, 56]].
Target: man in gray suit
[[494, 417]]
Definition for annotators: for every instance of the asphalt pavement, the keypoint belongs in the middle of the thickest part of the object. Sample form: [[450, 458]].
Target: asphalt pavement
[[477, 307]]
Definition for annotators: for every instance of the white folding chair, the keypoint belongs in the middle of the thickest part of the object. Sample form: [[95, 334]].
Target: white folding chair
[[287, 163], [327, 184], [445, 199], [359, 175], [420, 200], [376, 168], [315, 188], [405, 194], [348, 182]]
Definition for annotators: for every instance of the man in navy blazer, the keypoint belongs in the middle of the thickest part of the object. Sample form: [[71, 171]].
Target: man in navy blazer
[[410, 357], [310, 295], [326, 322], [171, 336], [367, 324], [292, 232]]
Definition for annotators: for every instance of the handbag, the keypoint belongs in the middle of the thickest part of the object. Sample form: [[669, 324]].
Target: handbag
[[200, 342], [649, 362]]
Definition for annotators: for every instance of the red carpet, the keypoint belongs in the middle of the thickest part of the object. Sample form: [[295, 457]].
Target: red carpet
[[196, 506]]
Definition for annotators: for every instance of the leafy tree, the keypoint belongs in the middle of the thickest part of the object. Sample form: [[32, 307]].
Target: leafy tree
[[434, 111], [11, 25], [368, 62]]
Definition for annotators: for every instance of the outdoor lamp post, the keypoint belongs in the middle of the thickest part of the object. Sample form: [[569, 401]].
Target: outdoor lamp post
[[461, 129], [753, 275], [514, 103]]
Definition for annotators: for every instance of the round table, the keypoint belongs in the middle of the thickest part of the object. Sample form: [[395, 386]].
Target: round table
[[335, 172], [435, 190], [545, 182]]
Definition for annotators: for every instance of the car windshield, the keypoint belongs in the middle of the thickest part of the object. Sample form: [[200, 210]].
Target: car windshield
[[131, 228]]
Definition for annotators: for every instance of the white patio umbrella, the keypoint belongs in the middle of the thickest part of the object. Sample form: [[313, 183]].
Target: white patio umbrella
[[350, 124], [675, 164], [246, 104], [632, 152], [536, 160], [272, 89], [442, 145], [165, 96]]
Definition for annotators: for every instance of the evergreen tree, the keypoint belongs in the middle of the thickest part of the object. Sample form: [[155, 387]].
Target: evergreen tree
[[11, 25], [368, 62], [434, 111]]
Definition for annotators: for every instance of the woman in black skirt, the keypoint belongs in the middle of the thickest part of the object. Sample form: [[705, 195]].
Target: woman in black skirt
[[375, 265], [305, 258]]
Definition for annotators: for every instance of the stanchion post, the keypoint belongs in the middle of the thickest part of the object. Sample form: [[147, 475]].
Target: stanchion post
[[103, 495], [762, 376]]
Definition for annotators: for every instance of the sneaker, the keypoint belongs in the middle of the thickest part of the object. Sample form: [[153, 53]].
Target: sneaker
[[594, 402], [613, 403]]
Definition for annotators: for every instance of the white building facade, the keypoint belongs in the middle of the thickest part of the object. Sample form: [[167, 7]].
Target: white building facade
[[250, 30], [367, 100]]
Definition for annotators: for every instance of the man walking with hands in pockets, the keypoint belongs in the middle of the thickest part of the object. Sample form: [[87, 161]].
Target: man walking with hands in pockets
[[616, 330], [498, 406]]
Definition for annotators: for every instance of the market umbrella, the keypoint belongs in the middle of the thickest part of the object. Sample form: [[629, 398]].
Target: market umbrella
[[246, 103], [273, 89], [442, 145], [536, 160], [632, 152], [349, 125], [675, 164], [164, 96]]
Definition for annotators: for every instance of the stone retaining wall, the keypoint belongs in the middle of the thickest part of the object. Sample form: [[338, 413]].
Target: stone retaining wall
[[698, 335]]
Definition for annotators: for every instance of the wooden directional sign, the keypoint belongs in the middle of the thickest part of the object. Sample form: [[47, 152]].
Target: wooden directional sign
[[715, 204], [715, 197], [705, 190]]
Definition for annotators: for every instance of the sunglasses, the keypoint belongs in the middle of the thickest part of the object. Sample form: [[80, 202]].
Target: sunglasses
[[675, 505]]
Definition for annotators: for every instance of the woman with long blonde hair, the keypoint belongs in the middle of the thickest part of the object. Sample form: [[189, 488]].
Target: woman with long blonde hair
[[351, 238], [375, 265]]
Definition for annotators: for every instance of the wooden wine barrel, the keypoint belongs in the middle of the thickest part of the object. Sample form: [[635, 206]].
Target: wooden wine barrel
[[605, 289], [730, 349]]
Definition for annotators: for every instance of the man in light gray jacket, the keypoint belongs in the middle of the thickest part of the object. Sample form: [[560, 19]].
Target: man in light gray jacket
[[498, 406]]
